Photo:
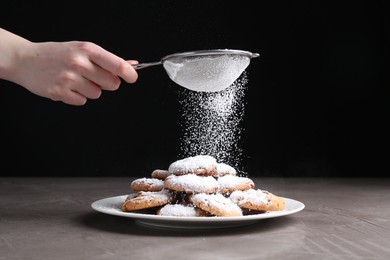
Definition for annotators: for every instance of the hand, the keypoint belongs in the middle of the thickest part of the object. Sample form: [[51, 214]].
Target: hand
[[71, 72]]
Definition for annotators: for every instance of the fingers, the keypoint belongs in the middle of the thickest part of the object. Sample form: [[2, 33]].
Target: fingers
[[75, 99], [89, 89], [90, 70], [98, 70], [132, 62], [100, 77], [112, 63], [75, 90], [68, 96]]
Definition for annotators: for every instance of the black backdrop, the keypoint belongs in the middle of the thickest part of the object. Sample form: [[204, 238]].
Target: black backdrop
[[315, 103]]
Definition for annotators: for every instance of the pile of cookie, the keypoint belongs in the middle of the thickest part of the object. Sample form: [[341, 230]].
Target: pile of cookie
[[199, 186]]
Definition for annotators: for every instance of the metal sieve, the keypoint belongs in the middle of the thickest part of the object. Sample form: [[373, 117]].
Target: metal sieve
[[204, 70]]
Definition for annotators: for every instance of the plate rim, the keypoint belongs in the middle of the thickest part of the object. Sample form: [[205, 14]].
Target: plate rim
[[102, 206]]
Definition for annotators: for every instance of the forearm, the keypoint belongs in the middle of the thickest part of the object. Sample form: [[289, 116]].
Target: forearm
[[12, 48]]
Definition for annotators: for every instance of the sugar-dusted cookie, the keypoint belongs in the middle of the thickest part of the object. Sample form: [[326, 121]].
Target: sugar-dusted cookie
[[160, 174], [216, 204], [181, 210], [258, 200], [199, 164], [199, 186], [230, 183], [224, 169], [191, 183], [147, 184], [147, 199]]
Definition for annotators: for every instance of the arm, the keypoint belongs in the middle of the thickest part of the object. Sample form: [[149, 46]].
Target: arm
[[71, 72]]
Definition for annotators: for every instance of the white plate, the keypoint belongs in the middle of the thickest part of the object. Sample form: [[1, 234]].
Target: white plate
[[112, 206]]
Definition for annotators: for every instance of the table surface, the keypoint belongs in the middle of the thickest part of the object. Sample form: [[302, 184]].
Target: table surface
[[52, 218]]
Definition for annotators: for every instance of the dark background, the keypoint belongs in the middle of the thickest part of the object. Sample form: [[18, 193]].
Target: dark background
[[314, 105]]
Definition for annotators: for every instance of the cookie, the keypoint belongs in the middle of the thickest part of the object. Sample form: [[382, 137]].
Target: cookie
[[216, 204], [199, 164], [146, 200], [230, 183], [191, 183], [224, 169], [258, 200], [147, 184], [160, 174], [180, 210]]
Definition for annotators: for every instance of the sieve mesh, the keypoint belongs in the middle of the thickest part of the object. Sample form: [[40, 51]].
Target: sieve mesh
[[208, 73]]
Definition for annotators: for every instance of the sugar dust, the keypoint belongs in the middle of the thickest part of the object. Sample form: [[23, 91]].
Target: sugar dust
[[212, 123]]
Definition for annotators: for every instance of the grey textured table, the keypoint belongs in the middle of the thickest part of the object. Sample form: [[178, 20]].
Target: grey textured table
[[52, 218]]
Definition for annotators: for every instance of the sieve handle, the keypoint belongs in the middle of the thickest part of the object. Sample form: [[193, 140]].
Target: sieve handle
[[145, 65], [254, 55]]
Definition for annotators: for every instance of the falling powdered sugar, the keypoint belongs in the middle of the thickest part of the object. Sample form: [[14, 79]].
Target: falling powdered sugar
[[211, 122]]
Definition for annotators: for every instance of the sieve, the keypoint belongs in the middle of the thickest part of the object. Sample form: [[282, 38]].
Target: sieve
[[204, 70]]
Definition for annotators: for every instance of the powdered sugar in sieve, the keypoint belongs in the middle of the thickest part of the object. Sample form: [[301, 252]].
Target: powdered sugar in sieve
[[206, 73]]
